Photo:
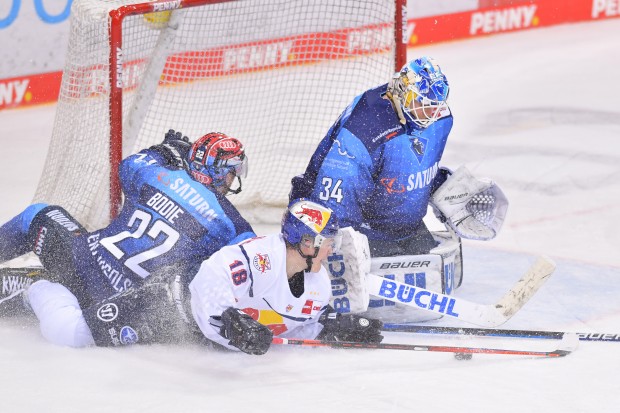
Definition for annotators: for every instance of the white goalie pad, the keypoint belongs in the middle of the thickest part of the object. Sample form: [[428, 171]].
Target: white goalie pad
[[347, 271], [474, 208], [440, 271]]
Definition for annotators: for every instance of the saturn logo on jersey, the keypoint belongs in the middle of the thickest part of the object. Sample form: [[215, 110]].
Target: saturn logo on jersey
[[262, 262], [391, 186]]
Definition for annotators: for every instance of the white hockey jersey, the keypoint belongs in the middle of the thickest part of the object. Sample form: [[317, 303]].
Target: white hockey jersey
[[251, 276]]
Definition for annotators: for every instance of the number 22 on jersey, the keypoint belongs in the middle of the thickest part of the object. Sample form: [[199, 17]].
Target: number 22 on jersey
[[144, 228]]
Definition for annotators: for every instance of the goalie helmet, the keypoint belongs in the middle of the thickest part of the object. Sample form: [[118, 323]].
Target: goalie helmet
[[307, 220], [213, 157], [420, 92]]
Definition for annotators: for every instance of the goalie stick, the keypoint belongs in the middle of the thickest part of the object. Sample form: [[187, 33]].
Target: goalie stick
[[567, 345], [495, 332], [491, 315]]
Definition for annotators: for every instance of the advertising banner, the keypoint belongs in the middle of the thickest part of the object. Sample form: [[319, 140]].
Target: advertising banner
[[34, 34]]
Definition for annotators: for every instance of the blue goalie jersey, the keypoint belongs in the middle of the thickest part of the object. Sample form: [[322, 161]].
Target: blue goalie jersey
[[168, 221], [375, 173]]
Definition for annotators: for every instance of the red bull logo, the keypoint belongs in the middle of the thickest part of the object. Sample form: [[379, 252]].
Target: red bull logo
[[262, 262], [314, 217], [269, 318], [312, 214]]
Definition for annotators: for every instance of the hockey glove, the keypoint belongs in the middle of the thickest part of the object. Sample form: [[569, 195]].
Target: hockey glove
[[244, 332], [350, 327], [174, 149]]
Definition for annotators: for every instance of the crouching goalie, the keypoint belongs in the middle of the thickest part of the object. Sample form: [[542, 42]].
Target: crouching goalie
[[379, 169]]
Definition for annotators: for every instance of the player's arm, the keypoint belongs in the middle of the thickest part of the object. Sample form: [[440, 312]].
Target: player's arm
[[170, 154], [214, 291], [349, 327], [173, 151], [344, 179]]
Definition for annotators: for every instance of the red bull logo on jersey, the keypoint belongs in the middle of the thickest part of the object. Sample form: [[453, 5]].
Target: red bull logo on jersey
[[262, 262], [315, 216], [269, 318]]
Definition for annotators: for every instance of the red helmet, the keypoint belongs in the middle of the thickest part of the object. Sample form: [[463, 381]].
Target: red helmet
[[214, 156]]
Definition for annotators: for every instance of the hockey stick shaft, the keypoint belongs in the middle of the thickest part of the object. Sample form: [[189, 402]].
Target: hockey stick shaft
[[567, 345], [494, 332], [478, 314]]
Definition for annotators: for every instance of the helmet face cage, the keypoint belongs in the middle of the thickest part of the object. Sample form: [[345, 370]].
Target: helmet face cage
[[214, 156], [425, 87], [306, 221]]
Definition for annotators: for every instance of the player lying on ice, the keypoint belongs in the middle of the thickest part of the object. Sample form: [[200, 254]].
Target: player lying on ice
[[378, 168], [174, 216], [276, 285], [241, 297]]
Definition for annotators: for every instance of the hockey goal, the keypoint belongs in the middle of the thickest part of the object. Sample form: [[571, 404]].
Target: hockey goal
[[273, 73]]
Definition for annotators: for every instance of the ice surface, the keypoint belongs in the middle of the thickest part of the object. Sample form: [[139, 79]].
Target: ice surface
[[537, 111]]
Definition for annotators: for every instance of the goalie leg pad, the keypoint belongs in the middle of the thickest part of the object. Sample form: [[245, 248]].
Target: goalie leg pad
[[347, 269], [440, 271], [60, 318]]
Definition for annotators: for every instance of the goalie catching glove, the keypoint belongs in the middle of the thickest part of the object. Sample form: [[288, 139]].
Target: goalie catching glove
[[474, 208], [350, 328], [174, 149], [245, 333]]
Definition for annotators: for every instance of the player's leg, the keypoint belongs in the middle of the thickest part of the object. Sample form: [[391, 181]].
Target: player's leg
[[15, 238], [60, 317], [419, 242], [53, 233], [141, 315]]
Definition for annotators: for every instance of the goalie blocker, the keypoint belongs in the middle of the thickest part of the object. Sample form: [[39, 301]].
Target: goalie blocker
[[440, 271]]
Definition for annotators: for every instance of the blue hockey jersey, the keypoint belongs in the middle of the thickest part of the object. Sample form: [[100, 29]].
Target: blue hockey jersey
[[375, 173], [168, 220]]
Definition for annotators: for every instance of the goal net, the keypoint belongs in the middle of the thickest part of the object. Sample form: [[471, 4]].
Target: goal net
[[273, 73]]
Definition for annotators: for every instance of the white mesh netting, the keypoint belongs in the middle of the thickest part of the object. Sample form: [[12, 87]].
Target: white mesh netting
[[273, 73]]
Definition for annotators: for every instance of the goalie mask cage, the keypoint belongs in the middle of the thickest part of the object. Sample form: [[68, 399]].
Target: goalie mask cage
[[273, 73]]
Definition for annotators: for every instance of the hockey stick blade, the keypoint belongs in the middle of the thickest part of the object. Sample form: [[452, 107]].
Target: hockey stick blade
[[491, 315], [566, 346], [495, 332]]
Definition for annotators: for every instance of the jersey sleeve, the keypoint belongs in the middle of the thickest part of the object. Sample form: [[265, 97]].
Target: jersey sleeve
[[344, 179], [131, 168], [213, 291]]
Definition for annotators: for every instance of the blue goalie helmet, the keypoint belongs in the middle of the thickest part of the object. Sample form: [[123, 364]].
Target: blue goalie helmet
[[421, 91], [305, 219]]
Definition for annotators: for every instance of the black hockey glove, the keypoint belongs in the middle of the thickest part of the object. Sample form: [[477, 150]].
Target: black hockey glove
[[174, 149], [245, 333], [350, 327]]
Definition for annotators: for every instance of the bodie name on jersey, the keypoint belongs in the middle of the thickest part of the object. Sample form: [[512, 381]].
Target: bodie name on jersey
[[166, 207]]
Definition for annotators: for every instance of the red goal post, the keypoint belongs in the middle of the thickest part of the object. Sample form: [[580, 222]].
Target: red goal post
[[273, 73]]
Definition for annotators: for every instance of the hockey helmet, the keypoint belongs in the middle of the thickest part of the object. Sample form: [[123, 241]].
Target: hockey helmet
[[215, 155], [420, 91], [307, 220]]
